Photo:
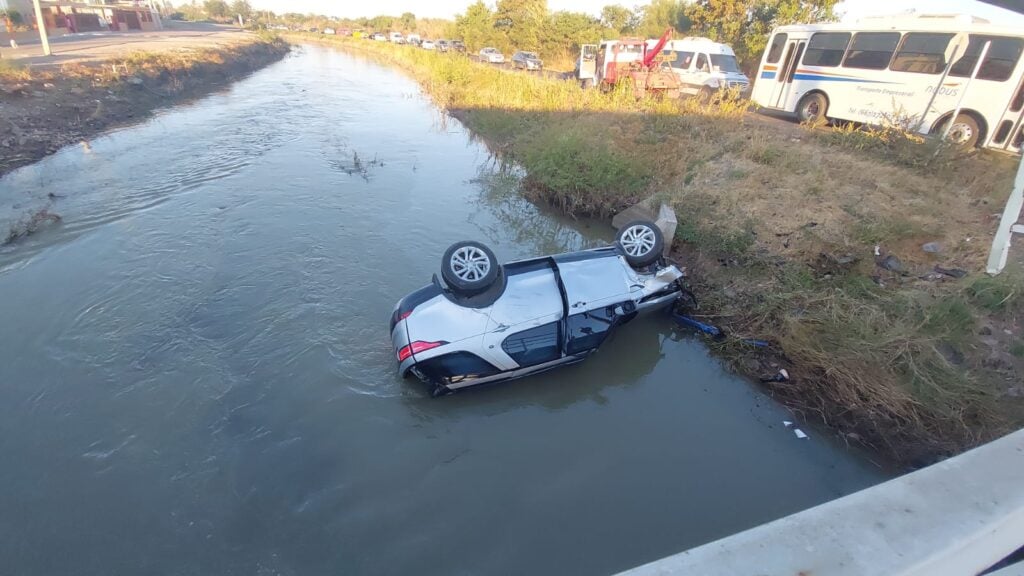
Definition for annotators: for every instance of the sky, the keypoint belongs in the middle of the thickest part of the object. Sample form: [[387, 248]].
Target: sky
[[850, 9]]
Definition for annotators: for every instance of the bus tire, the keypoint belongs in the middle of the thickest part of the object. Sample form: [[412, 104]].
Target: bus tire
[[965, 131], [812, 107]]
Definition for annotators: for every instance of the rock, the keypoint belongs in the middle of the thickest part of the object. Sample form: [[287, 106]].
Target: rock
[[891, 263], [932, 247], [48, 85], [953, 272], [135, 81], [1015, 392]]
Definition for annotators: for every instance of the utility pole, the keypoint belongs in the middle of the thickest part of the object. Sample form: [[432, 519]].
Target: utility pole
[[42, 28]]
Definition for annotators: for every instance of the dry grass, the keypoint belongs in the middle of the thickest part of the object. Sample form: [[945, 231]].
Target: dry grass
[[766, 211]]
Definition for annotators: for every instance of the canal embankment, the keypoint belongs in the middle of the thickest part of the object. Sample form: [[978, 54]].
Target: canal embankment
[[98, 84], [857, 255]]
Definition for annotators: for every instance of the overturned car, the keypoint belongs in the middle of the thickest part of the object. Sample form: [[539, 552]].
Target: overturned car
[[489, 322]]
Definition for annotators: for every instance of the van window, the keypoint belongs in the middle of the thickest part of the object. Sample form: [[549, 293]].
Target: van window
[[683, 60], [775, 50], [826, 48], [702, 63], [533, 346], [588, 330], [922, 53], [999, 62], [872, 50], [725, 62]]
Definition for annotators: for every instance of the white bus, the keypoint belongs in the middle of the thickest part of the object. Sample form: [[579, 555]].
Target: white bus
[[909, 69]]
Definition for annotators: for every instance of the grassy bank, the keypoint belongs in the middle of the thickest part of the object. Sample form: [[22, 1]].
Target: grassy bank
[[46, 109], [779, 226]]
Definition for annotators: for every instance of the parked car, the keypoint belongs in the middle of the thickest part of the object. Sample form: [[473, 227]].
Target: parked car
[[492, 55], [413, 39], [458, 46], [443, 46], [380, 37], [396, 38], [527, 61], [329, 31], [489, 323], [428, 45]]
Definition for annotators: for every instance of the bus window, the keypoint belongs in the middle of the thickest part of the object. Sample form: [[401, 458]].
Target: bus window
[[683, 60], [775, 52], [872, 50], [999, 62], [826, 48], [922, 52]]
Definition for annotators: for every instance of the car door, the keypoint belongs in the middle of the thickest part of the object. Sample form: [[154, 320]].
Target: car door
[[531, 301], [595, 288]]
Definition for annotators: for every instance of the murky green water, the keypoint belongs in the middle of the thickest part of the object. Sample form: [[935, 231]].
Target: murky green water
[[196, 375]]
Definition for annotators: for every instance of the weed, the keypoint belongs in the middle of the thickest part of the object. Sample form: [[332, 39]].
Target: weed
[[995, 293], [1017, 349]]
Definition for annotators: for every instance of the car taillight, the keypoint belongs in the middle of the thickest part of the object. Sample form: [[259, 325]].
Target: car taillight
[[417, 347]]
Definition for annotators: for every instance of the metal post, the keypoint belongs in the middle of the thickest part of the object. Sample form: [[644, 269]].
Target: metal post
[[42, 28], [938, 85], [1008, 225], [960, 102]]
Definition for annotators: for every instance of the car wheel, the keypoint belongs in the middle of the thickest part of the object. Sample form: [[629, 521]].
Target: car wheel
[[469, 267], [642, 243], [705, 95]]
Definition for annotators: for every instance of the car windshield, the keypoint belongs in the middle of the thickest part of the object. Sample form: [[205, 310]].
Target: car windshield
[[725, 62], [489, 50], [529, 55]]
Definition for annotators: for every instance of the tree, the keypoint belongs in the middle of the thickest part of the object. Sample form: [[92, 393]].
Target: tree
[[408, 20], [619, 18], [521, 22], [241, 8], [662, 14], [476, 26], [564, 32], [746, 24], [216, 8]]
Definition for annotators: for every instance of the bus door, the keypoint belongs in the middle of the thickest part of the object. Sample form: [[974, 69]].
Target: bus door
[[1009, 132], [787, 69]]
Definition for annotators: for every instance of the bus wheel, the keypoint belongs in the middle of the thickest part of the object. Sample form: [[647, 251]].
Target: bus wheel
[[964, 131], [812, 107]]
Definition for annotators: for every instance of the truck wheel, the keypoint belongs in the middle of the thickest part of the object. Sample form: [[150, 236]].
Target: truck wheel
[[812, 107], [641, 242], [469, 267], [705, 95]]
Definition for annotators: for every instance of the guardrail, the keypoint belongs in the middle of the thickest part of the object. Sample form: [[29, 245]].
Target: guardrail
[[958, 517]]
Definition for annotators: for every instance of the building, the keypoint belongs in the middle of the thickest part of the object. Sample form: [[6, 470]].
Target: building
[[69, 16]]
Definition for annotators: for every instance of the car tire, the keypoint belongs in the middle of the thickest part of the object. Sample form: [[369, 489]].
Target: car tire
[[642, 243], [469, 267], [812, 107]]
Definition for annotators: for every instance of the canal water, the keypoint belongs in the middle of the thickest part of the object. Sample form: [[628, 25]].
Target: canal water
[[196, 375]]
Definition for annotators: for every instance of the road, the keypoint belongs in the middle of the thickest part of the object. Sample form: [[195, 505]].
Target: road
[[95, 46]]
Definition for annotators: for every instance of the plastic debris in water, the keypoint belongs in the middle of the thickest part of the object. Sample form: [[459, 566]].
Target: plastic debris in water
[[705, 328], [799, 433]]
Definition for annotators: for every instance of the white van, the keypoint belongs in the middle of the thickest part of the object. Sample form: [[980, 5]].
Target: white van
[[704, 66], [396, 37]]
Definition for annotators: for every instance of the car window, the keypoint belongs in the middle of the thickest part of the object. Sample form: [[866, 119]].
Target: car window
[[702, 63], [588, 330], [922, 53], [456, 367], [999, 62], [872, 50], [534, 346], [826, 48], [725, 62], [683, 60]]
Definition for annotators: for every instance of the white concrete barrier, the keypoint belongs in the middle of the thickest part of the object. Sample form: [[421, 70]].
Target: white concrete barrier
[[955, 518]]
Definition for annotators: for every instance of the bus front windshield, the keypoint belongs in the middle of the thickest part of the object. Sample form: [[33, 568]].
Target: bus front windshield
[[725, 63]]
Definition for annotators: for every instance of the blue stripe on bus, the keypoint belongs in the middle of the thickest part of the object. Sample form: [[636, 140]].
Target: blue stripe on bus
[[835, 78], [768, 75]]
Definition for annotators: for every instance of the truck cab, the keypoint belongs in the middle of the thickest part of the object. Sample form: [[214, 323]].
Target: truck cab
[[705, 66]]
